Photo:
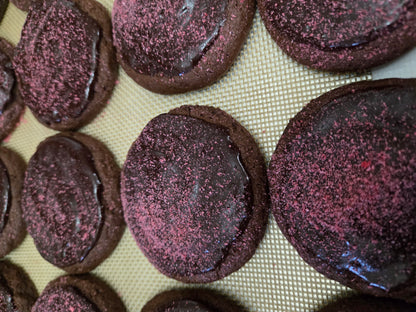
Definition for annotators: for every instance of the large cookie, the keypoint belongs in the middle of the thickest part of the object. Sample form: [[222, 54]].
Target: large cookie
[[343, 188], [11, 103], [71, 201], [65, 62], [194, 194], [177, 46], [339, 35]]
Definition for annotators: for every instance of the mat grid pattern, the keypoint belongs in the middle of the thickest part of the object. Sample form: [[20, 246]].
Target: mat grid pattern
[[263, 90]]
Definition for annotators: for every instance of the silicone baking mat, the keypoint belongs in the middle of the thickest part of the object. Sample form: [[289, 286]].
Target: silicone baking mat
[[263, 90]]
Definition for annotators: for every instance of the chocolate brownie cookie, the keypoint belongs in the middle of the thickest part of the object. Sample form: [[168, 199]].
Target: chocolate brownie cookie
[[176, 46], [343, 188], [191, 300], [194, 194], [11, 103], [71, 201], [366, 303], [12, 226], [81, 293], [17, 291], [65, 62], [337, 35]]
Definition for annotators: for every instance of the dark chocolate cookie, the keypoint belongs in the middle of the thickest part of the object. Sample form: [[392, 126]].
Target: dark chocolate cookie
[[71, 201], [3, 7], [12, 226], [176, 46], [65, 62], [366, 303], [11, 103], [191, 300], [81, 293], [194, 194], [338, 35], [343, 188], [17, 291]]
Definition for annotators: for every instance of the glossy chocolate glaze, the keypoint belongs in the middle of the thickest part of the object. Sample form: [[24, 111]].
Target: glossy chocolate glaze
[[64, 298], [187, 306], [6, 297], [62, 200], [187, 195], [333, 24], [57, 59], [166, 37], [7, 81], [5, 195], [348, 195]]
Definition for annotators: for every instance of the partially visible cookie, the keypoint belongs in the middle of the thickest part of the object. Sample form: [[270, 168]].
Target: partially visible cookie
[[337, 35], [176, 46], [81, 293], [65, 62], [17, 291], [366, 303], [191, 300], [194, 194], [3, 7], [343, 188], [11, 103], [12, 226], [71, 201]]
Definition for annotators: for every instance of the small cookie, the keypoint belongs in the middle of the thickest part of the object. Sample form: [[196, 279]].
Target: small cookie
[[65, 62], [81, 293], [12, 226], [71, 201], [343, 189], [366, 303], [17, 291], [341, 35], [176, 46], [194, 194], [187, 300], [11, 103]]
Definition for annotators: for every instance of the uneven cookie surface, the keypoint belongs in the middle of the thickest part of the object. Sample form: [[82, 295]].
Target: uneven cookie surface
[[342, 185], [176, 46], [340, 35], [65, 203], [61, 60], [188, 199]]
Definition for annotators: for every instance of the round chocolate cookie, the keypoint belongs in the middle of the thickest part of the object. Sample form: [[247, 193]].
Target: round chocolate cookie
[[17, 291], [11, 103], [191, 300], [343, 188], [338, 35], [178, 46], [366, 303], [194, 194], [65, 62], [81, 293], [71, 201], [12, 226]]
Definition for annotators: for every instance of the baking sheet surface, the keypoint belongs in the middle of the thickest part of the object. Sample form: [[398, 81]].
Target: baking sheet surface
[[263, 90]]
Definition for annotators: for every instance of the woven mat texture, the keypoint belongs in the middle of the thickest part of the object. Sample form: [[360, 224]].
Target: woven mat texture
[[263, 90]]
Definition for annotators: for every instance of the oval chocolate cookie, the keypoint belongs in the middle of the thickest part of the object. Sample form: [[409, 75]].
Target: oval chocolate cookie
[[71, 201], [12, 226], [11, 103], [65, 62], [194, 194], [341, 35], [17, 291], [177, 46], [195, 300], [343, 188], [81, 293]]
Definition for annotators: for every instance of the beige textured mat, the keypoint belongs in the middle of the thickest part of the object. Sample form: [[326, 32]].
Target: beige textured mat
[[263, 90]]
